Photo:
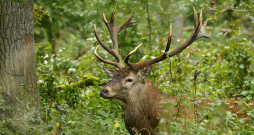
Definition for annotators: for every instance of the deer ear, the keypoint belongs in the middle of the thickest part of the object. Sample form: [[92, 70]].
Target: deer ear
[[110, 71], [145, 72]]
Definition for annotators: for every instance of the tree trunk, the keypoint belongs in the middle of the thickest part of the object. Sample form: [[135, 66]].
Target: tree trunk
[[18, 80]]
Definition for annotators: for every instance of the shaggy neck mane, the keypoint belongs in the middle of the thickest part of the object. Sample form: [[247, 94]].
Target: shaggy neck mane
[[141, 110]]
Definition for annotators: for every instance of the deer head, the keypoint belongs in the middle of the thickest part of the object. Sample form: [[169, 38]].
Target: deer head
[[126, 77]]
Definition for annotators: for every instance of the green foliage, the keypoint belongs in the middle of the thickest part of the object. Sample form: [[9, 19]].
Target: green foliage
[[212, 119], [70, 96], [40, 13], [26, 120], [225, 61]]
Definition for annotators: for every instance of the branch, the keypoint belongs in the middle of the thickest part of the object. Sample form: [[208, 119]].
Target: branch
[[87, 80]]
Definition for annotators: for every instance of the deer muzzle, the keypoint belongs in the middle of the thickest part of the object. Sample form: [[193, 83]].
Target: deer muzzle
[[104, 93]]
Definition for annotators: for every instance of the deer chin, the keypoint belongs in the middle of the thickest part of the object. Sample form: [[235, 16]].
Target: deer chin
[[107, 96], [121, 101]]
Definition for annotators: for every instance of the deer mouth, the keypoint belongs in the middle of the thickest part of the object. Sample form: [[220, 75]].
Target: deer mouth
[[106, 97]]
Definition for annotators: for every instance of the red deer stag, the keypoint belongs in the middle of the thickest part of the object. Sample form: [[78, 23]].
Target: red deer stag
[[139, 98]]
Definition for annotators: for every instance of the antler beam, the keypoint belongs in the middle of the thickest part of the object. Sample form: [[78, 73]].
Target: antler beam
[[198, 32]]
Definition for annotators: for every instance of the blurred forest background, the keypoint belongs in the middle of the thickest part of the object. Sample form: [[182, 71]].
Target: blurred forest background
[[70, 76]]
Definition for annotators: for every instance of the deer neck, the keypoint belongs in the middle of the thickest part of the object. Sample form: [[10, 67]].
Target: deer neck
[[141, 96], [142, 111]]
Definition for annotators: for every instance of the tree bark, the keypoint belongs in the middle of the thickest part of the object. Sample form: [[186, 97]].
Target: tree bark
[[18, 80]]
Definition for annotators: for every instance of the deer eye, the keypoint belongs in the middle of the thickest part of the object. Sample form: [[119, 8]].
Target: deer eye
[[129, 80]]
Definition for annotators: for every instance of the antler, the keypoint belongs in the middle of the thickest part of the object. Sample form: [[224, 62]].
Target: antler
[[113, 30], [198, 32]]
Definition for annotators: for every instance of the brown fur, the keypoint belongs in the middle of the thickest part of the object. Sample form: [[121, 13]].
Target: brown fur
[[142, 115]]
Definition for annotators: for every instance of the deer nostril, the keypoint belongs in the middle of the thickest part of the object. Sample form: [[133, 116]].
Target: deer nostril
[[103, 92]]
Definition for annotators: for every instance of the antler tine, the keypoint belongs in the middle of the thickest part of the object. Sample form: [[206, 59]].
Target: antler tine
[[195, 17], [101, 43], [136, 67], [198, 32], [128, 23], [128, 56], [106, 61], [112, 16]]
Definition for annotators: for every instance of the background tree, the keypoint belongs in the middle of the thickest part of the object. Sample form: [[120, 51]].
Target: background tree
[[18, 80]]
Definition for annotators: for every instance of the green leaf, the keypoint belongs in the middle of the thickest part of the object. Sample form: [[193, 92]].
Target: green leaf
[[241, 66], [244, 93], [252, 85], [248, 98]]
